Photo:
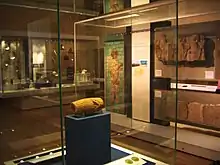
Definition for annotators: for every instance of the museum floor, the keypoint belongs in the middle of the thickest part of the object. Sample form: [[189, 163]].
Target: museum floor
[[28, 132]]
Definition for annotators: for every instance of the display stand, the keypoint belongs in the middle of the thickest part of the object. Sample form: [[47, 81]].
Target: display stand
[[88, 139]]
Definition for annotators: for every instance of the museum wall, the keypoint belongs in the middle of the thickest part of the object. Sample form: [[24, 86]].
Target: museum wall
[[138, 2], [141, 74], [12, 20]]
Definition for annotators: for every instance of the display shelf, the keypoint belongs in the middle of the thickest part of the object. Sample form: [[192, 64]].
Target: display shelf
[[195, 87], [46, 90]]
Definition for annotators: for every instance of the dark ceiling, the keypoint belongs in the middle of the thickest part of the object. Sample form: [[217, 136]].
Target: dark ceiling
[[68, 3], [80, 5]]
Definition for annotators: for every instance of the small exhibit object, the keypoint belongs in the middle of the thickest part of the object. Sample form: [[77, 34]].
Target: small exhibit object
[[131, 159], [87, 105]]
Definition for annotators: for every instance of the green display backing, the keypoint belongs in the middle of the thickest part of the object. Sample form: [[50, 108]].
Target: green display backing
[[111, 104], [113, 5]]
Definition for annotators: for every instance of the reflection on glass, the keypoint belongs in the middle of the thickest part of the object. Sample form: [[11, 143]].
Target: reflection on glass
[[13, 64]]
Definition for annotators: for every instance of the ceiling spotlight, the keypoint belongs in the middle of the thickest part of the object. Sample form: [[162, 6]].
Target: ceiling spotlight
[[12, 58], [6, 65], [3, 44], [62, 47]]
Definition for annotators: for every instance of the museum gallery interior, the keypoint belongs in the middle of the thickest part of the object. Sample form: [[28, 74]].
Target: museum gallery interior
[[110, 82]]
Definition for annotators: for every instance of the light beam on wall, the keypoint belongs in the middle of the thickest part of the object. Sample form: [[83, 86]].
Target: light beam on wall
[[123, 17]]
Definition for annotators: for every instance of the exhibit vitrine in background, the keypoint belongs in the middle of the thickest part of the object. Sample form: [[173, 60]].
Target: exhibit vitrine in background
[[126, 72], [13, 63]]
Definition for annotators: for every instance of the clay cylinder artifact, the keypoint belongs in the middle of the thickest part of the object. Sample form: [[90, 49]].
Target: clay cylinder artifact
[[87, 105]]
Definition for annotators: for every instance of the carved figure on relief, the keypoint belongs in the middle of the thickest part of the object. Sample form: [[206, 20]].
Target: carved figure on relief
[[196, 50], [162, 48], [202, 47], [183, 48], [115, 67], [114, 6]]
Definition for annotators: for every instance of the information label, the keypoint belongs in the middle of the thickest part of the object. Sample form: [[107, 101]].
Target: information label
[[209, 74], [158, 73], [158, 94]]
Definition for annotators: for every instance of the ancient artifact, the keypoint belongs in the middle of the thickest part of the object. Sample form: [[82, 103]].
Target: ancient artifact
[[114, 6], [115, 68], [182, 110], [190, 48], [211, 113], [217, 59], [183, 47], [164, 50], [195, 112], [195, 48], [87, 106]]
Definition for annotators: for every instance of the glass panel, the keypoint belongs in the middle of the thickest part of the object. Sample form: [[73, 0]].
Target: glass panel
[[30, 118], [1, 82], [90, 8], [125, 49], [198, 112], [12, 57]]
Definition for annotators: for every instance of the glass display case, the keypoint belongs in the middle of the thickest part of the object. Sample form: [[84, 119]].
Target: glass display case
[[13, 64], [154, 63], [128, 75], [30, 96], [160, 78]]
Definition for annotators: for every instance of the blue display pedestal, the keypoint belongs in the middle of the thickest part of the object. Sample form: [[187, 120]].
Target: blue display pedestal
[[88, 140]]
